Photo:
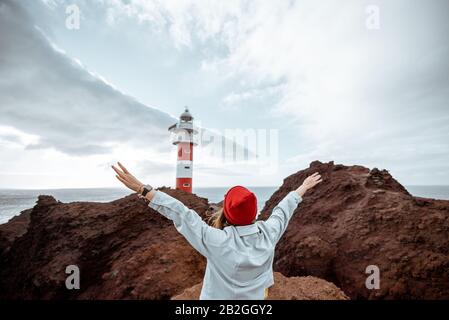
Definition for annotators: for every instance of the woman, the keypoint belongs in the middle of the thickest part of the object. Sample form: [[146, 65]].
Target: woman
[[239, 249]]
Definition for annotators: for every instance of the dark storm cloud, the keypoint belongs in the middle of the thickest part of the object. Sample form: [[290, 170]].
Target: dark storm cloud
[[45, 93]]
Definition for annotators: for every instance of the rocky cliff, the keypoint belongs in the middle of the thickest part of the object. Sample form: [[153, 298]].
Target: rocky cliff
[[359, 217], [356, 218], [124, 250]]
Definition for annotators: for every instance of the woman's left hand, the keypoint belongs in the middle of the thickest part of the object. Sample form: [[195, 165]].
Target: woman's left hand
[[310, 182], [127, 178]]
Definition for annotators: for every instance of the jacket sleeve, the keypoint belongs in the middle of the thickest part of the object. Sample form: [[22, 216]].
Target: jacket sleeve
[[278, 221], [197, 232]]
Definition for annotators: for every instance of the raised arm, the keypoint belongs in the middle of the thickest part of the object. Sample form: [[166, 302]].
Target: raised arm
[[198, 233], [278, 221]]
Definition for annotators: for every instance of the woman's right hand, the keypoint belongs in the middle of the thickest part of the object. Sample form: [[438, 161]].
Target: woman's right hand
[[125, 177], [309, 183]]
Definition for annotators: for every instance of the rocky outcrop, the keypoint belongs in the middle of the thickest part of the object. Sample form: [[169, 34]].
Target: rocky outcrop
[[284, 288], [124, 250], [15, 228], [359, 217]]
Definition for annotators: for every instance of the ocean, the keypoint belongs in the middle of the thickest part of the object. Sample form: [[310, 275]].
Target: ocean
[[12, 202]]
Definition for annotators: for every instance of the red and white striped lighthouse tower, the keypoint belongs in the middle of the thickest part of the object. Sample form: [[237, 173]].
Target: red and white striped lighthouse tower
[[184, 132]]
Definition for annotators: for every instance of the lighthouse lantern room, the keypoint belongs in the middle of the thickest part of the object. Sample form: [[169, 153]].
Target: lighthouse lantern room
[[183, 137]]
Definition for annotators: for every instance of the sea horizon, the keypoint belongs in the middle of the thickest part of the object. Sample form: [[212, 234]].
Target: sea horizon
[[14, 201]]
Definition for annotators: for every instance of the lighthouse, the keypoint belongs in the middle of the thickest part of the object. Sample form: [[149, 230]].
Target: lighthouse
[[184, 132]]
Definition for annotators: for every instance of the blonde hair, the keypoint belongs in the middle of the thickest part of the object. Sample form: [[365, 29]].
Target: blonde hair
[[218, 219]]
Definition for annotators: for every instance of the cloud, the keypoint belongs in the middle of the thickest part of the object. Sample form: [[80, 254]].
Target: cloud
[[344, 92], [47, 94], [12, 136], [236, 100], [375, 97]]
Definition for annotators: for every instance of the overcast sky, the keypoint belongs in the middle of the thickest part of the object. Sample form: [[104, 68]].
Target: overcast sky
[[327, 79]]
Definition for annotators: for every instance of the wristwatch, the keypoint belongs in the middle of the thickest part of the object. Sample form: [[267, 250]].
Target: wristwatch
[[146, 188]]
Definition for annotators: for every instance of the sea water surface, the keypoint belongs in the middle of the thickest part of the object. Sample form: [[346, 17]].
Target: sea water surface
[[12, 202]]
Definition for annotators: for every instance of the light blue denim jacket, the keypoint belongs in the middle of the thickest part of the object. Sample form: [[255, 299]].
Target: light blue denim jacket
[[239, 259]]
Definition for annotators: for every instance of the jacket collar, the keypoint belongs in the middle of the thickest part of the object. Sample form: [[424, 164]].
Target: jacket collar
[[247, 230]]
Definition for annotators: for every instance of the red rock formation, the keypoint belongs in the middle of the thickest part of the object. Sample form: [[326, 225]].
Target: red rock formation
[[124, 250], [358, 217], [15, 228], [284, 288]]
